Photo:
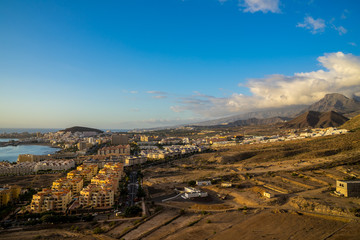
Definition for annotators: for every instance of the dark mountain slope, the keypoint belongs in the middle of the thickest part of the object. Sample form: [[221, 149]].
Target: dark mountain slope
[[317, 119], [255, 121], [81, 129]]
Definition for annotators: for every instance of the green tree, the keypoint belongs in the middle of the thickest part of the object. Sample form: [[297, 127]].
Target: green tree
[[140, 192], [192, 183], [98, 230], [132, 211]]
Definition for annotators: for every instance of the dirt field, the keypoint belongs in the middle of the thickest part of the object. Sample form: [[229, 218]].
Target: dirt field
[[252, 224], [33, 181], [300, 175], [267, 225], [56, 234]]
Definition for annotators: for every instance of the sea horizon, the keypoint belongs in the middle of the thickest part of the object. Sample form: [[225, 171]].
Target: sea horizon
[[46, 130]]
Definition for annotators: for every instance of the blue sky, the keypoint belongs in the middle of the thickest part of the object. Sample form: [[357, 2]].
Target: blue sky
[[147, 63]]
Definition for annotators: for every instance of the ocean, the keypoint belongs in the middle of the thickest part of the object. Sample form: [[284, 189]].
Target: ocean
[[29, 130], [11, 153], [46, 130], [8, 139]]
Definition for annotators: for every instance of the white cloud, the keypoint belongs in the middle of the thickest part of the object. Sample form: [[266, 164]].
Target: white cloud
[[156, 92], [155, 122], [314, 25], [160, 97], [260, 5], [340, 29], [132, 92], [341, 75], [345, 14]]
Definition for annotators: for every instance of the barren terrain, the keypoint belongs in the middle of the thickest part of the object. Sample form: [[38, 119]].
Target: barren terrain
[[300, 175]]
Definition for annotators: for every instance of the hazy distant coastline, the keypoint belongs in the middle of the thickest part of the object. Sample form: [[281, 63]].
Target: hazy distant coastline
[[29, 130]]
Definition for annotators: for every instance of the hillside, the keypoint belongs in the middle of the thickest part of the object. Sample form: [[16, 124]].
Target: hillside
[[286, 112], [81, 129], [353, 123], [338, 103], [255, 122], [317, 119], [330, 102]]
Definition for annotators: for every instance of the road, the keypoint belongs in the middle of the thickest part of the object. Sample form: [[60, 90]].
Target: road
[[132, 187]]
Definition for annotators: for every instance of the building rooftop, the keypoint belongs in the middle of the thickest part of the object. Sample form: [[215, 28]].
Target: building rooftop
[[350, 181]]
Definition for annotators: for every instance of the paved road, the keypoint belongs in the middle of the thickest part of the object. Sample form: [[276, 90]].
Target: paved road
[[132, 187]]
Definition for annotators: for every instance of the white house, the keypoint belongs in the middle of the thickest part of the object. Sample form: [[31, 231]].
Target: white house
[[203, 183], [191, 192]]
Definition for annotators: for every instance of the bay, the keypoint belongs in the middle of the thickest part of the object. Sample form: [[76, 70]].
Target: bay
[[11, 153], [8, 139]]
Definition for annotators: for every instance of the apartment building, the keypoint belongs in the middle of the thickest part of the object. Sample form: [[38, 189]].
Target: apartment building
[[115, 150], [101, 191], [97, 196], [31, 158], [18, 169], [51, 200], [119, 139], [23, 168], [133, 160], [86, 174], [348, 188], [92, 167], [8, 194], [84, 171], [74, 185], [157, 155], [55, 165]]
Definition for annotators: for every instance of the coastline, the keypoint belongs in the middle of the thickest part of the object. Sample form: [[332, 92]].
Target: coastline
[[17, 143], [39, 144], [12, 152]]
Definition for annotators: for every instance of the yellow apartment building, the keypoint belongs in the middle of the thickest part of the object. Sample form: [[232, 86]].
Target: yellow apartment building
[[8, 194], [51, 200], [5, 196], [73, 174], [74, 184], [97, 196]]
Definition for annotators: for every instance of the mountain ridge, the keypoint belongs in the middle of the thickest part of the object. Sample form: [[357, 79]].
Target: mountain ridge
[[286, 112], [338, 103], [317, 120], [81, 129], [348, 107]]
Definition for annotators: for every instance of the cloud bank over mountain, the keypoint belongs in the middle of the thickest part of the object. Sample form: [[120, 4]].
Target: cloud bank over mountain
[[340, 74]]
